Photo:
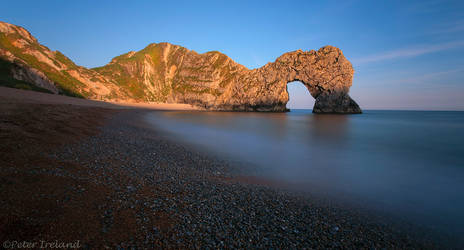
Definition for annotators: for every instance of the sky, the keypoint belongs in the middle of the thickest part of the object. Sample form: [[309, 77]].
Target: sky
[[406, 54]]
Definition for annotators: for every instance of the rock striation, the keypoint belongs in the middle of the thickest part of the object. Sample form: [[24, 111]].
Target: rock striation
[[173, 74], [23, 61]]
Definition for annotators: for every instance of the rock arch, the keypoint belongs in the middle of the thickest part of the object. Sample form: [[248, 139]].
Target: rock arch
[[326, 73]]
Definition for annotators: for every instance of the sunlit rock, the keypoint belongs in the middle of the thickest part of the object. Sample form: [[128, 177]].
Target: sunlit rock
[[173, 74]]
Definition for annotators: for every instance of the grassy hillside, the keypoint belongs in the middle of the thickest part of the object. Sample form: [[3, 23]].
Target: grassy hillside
[[127, 72], [66, 84]]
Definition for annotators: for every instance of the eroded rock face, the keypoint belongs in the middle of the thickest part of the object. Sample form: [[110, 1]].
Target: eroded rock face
[[25, 59], [213, 81], [326, 73], [21, 71], [173, 74]]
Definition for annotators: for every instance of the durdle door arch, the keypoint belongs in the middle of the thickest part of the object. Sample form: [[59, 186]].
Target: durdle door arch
[[326, 73]]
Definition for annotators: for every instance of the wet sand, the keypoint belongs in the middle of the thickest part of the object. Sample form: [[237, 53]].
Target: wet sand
[[76, 171]]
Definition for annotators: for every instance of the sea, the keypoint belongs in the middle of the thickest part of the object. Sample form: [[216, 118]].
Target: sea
[[408, 164]]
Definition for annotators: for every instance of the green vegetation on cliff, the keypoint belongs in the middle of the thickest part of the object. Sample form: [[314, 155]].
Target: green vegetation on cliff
[[132, 72], [67, 84]]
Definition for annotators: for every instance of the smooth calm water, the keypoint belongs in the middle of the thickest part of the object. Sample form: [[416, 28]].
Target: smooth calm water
[[407, 163]]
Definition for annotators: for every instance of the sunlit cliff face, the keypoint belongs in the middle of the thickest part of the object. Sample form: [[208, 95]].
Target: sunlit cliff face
[[169, 73]]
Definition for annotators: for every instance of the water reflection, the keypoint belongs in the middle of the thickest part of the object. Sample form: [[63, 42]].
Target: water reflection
[[332, 128]]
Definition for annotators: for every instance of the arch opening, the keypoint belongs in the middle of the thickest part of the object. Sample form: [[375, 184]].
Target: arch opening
[[299, 96]]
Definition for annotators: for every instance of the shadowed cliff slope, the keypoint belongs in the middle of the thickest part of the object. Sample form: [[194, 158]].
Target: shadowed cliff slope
[[173, 74]]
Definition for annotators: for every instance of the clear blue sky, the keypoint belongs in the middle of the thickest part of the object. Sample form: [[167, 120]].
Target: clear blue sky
[[406, 54]]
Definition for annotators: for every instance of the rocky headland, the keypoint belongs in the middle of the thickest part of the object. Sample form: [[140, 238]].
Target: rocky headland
[[166, 73]]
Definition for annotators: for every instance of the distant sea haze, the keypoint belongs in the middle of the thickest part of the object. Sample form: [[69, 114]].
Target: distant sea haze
[[405, 163]]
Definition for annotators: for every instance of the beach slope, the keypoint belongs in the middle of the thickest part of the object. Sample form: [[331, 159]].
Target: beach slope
[[74, 170]]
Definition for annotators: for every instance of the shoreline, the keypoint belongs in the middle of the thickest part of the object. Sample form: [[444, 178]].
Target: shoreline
[[26, 96], [104, 177]]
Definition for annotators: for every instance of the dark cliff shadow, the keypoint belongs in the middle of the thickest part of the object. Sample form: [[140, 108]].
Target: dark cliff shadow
[[7, 80]]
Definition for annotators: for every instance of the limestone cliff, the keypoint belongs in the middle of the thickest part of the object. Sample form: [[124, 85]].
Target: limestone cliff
[[24, 60], [169, 73]]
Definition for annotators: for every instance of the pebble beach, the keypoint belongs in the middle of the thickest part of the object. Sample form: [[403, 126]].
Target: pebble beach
[[105, 178]]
